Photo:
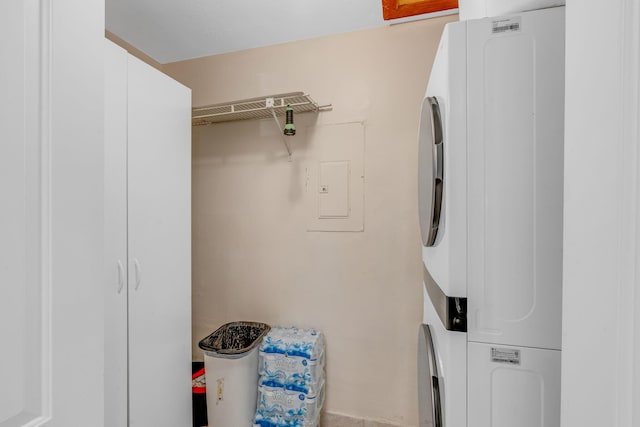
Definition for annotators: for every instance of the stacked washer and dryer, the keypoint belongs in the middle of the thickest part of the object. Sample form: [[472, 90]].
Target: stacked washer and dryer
[[491, 191]]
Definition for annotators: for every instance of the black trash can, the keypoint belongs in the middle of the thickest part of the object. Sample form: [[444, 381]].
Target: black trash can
[[199, 394]]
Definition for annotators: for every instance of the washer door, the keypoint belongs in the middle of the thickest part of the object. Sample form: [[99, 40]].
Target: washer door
[[430, 170], [430, 402]]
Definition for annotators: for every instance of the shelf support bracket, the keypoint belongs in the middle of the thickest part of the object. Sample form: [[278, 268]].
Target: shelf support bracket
[[270, 104]]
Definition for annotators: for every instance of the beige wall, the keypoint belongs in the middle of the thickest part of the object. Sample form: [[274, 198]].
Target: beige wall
[[252, 256]]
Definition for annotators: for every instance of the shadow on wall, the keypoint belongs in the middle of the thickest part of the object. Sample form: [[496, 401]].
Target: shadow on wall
[[256, 142], [235, 142]]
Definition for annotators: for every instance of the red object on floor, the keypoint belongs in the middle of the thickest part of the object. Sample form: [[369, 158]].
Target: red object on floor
[[196, 377]]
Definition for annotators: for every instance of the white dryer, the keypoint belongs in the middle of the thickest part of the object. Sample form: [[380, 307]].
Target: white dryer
[[490, 186]]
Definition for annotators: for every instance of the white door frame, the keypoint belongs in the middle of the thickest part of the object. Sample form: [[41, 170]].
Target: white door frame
[[51, 161], [628, 367], [601, 298]]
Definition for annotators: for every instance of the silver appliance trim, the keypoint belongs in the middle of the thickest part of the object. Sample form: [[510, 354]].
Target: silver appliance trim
[[430, 170], [430, 402], [451, 310]]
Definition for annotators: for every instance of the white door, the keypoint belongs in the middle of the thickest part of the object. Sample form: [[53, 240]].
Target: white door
[[159, 173], [115, 225], [51, 160]]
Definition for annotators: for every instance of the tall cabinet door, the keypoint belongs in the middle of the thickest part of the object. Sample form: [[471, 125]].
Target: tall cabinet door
[[115, 239], [159, 175]]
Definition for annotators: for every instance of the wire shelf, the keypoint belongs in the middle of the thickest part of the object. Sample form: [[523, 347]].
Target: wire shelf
[[253, 109]]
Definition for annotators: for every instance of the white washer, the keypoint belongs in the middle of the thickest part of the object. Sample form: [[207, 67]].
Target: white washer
[[490, 184], [443, 120]]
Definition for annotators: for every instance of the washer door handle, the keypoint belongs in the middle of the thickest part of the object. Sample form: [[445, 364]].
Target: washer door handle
[[430, 402], [430, 170]]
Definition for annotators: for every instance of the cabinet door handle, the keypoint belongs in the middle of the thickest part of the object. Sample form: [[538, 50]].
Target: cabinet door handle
[[136, 270], [120, 277]]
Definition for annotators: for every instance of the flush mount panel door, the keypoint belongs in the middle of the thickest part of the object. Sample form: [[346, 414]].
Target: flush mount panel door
[[515, 178], [335, 177]]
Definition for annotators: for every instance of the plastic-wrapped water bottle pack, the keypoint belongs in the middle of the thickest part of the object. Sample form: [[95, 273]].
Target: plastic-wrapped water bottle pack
[[291, 383]]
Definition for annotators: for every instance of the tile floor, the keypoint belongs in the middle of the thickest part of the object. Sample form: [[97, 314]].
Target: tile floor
[[336, 420]]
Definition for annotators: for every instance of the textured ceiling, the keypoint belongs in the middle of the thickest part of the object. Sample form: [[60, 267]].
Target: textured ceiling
[[175, 30]]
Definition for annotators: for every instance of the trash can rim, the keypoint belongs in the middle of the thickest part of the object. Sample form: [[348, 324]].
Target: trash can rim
[[212, 351]]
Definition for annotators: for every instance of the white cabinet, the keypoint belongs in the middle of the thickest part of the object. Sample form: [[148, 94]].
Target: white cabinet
[[492, 153], [148, 245], [115, 219]]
